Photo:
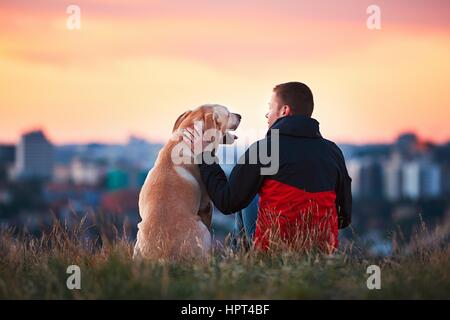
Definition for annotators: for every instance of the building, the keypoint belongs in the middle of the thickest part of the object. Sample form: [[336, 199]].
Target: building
[[7, 154], [34, 157], [7, 158], [89, 172], [445, 180], [421, 179], [407, 145], [372, 179], [367, 177], [354, 171], [393, 178], [139, 153], [61, 173]]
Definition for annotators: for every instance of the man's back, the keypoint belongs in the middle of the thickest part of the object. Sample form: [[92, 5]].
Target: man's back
[[311, 184]]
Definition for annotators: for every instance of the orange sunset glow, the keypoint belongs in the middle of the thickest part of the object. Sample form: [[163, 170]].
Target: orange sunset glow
[[135, 65]]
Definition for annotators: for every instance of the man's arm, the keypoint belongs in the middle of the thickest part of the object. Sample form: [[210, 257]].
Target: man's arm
[[233, 194]]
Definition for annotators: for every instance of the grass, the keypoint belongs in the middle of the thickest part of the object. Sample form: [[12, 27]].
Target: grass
[[34, 267]]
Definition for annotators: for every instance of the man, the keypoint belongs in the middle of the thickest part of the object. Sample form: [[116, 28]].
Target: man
[[309, 198]]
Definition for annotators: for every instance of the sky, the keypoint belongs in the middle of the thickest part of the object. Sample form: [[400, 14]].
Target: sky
[[135, 65]]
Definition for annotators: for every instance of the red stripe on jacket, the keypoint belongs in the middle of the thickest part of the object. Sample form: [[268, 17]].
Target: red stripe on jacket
[[296, 217]]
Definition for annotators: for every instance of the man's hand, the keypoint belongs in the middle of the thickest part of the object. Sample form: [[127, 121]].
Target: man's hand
[[193, 137]]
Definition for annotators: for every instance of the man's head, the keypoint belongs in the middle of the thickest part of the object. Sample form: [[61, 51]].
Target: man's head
[[291, 98]]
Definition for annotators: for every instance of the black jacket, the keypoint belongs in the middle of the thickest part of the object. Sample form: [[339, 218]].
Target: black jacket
[[309, 166]]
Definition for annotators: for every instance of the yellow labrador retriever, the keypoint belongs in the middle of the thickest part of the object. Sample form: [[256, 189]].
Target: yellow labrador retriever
[[174, 206]]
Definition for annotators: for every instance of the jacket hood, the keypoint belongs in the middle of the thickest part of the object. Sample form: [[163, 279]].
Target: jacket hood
[[298, 126]]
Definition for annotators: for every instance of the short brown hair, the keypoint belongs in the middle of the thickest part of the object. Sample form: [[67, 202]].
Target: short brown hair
[[296, 95]]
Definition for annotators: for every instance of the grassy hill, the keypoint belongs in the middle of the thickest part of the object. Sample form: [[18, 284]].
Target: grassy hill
[[35, 268]]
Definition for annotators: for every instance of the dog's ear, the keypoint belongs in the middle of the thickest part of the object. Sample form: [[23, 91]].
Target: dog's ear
[[211, 130], [211, 121], [180, 119]]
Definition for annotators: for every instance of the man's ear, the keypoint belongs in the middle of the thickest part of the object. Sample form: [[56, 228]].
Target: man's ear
[[180, 119], [287, 111]]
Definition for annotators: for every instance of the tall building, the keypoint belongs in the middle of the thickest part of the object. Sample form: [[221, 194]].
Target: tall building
[[431, 176], [411, 180], [34, 156], [393, 178], [407, 145]]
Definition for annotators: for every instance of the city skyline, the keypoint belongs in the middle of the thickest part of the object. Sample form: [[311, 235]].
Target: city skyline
[[134, 68], [126, 138], [407, 168]]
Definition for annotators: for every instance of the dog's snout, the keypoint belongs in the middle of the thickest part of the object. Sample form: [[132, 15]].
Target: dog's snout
[[233, 121]]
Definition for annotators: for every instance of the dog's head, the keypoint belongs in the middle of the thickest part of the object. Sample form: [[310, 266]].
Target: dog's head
[[215, 119]]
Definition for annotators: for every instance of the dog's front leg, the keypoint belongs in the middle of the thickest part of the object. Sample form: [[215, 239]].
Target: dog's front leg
[[206, 215]]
